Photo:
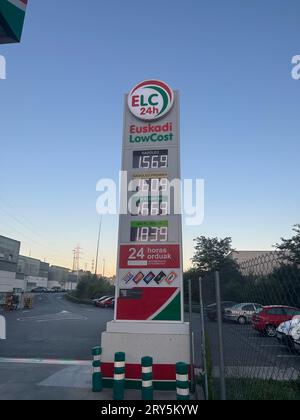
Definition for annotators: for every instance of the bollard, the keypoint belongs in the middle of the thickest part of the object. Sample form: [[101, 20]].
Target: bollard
[[182, 381], [97, 374], [147, 378], [119, 376]]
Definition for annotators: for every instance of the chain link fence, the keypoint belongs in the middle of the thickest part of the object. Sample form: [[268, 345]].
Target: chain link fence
[[259, 332]]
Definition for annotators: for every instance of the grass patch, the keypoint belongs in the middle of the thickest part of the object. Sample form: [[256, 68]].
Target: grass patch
[[244, 389], [211, 385], [74, 299]]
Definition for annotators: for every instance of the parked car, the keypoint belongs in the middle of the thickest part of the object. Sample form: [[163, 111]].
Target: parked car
[[296, 337], [242, 313], [211, 310], [39, 290], [284, 332], [269, 318], [56, 289], [106, 303], [95, 301]]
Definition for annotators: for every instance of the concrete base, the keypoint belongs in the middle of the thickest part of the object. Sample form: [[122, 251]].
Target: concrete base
[[167, 343]]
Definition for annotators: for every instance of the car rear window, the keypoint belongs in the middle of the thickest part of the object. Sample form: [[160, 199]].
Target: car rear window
[[275, 311], [248, 308], [292, 312]]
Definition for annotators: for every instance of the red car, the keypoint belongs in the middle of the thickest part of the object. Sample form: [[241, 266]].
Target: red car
[[106, 303], [270, 317]]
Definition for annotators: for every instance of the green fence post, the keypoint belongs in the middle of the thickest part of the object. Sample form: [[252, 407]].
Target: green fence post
[[182, 381], [147, 378], [97, 374], [119, 376]]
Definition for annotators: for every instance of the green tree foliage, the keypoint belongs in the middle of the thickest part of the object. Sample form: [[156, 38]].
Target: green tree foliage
[[289, 249], [267, 280], [279, 287], [212, 254], [92, 286]]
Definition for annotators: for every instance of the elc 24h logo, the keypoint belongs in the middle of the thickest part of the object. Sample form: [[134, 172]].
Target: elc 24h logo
[[150, 100]]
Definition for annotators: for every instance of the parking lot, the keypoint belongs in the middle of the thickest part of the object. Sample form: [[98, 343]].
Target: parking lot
[[252, 354]]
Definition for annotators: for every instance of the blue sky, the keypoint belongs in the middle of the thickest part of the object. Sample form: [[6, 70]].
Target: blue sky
[[61, 116]]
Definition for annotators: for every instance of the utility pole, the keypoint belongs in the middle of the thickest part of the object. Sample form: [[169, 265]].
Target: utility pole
[[98, 243], [93, 266], [104, 267], [76, 260]]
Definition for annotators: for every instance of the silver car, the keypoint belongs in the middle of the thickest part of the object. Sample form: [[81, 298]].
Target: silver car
[[242, 313]]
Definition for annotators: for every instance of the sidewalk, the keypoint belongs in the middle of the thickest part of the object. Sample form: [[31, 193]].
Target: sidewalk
[[43, 380]]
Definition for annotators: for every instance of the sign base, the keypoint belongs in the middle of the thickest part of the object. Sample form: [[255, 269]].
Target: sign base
[[167, 343]]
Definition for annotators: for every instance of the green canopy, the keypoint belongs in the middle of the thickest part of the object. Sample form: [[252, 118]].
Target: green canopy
[[12, 14]]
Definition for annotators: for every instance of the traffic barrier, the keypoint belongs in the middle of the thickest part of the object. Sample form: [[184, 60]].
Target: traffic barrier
[[97, 373], [147, 378], [182, 381], [119, 376]]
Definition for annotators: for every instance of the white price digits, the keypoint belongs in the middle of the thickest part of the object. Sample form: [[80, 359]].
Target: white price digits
[[153, 234], [155, 185], [153, 162], [156, 208]]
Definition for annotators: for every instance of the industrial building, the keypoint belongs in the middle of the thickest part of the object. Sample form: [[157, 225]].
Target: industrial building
[[35, 272], [9, 255], [22, 274]]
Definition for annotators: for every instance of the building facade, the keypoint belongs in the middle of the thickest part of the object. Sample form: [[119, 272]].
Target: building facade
[[9, 255], [34, 272]]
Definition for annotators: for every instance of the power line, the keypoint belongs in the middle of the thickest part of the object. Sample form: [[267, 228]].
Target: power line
[[31, 241], [6, 203], [54, 252]]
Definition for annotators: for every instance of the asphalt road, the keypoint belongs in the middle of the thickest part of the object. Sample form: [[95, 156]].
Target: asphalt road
[[59, 329], [55, 328]]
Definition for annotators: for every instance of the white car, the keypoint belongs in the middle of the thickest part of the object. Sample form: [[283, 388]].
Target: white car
[[296, 337], [2, 328], [285, 330]]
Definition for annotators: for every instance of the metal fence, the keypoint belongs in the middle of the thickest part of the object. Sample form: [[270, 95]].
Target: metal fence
[[251, 349]]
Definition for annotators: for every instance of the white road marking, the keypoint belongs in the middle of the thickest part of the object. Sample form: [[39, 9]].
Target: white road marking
[[61, 316], [45, 361], [273, 345]]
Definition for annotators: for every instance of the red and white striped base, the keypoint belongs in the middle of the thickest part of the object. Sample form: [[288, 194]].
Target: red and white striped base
[[166, 343]]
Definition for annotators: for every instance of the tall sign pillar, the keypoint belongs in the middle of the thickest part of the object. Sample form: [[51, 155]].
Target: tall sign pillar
[[149, 313]]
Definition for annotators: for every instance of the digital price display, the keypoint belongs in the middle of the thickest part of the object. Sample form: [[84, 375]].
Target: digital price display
[[150, 185], [150, 206], [150, 159], [149, 231]]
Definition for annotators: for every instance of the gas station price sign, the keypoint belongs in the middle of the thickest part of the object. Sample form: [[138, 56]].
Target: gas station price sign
[[150, 159], [149, 231], [149, 272], [150, 185], [150, 206]]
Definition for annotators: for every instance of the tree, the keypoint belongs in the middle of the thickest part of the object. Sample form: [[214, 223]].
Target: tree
[[92, 286], [213, 254], [289, 249]]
